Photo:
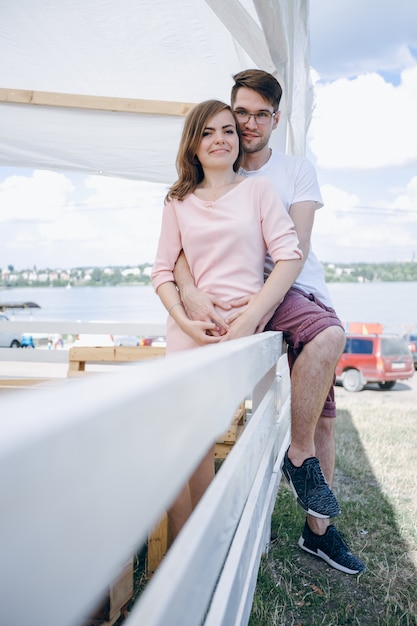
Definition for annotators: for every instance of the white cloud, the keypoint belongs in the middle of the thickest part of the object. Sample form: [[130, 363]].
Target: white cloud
[[49, 219], [41, 196], [348, 232], [365, 123], [117, 192], [407, 200], [130, 217]]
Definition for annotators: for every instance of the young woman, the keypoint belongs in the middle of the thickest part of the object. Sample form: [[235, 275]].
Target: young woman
[[224, 223]]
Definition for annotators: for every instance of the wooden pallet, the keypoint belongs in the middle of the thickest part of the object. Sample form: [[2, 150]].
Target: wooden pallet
[[80, 356], [225, 443]]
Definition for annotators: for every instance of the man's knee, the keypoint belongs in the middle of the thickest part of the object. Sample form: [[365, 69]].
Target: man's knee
[[330, 341]]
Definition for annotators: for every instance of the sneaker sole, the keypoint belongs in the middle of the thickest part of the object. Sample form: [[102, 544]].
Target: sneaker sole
[[300, 502], [325, 557]]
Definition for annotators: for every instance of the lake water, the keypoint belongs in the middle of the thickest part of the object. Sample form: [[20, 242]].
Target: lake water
[[391, 304]]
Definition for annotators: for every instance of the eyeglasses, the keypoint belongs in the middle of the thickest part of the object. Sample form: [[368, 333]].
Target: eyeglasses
[[261, 118]]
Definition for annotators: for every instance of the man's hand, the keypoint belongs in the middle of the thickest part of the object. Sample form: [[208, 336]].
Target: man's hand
[[200, 306], [244, 302], [238, 303], [197, 304], [244, 325]]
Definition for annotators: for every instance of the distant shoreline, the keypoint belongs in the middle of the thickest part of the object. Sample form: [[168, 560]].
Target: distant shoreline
[[140, 275]]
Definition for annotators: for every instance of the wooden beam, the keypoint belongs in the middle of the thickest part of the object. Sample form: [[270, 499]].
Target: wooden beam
[[101, 103]]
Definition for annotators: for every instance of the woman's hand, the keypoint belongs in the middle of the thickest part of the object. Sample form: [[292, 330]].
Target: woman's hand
[[202, 332]]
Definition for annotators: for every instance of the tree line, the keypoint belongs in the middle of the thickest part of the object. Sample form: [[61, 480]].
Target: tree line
[[140, 275], [370, 272]]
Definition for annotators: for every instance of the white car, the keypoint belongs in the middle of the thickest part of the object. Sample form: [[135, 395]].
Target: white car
[[126, 340], [94, 340], [155, 342], [8, 339]]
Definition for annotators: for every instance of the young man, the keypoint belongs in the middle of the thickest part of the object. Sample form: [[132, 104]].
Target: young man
[[311, 328]]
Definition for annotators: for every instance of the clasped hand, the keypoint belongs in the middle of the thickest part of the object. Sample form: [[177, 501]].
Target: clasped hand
[[207, 326]]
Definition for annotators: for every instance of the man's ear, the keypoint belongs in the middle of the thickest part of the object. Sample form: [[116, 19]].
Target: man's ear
[[276, 119]]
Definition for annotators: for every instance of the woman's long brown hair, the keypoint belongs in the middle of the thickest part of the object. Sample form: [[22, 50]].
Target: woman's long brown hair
[[190, 172]]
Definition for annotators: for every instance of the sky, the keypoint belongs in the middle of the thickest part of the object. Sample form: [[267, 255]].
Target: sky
[[362, 141]]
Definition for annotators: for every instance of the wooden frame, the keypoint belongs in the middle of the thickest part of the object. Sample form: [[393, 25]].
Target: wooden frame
[[100, 103]]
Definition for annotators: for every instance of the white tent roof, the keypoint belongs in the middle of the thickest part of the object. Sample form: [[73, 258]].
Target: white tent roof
[[101, 86]]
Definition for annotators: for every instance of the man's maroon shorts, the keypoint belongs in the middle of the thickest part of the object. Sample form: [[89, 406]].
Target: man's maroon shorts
[[301, 316]]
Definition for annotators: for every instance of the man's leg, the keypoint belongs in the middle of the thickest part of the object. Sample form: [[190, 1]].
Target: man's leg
[[311, 378], [315, 339], [324, 440], [318, 536]]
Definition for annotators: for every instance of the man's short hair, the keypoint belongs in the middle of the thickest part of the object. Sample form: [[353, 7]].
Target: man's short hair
[[262, 82]]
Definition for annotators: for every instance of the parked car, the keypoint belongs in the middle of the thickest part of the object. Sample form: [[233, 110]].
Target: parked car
[[411, 339], [381, 359], [126, 340], [93, 340], [156, 342], [8, 339]]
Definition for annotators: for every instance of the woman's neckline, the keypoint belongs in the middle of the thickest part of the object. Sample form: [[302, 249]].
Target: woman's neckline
[[212, 194]]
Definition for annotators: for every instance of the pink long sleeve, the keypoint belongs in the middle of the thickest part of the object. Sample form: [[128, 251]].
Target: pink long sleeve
[[225, 241]]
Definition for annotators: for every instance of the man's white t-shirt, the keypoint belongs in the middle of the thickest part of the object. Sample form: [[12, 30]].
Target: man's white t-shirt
[[295, 180]]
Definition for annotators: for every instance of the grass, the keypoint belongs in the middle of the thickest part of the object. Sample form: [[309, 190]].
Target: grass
[[376, 485]]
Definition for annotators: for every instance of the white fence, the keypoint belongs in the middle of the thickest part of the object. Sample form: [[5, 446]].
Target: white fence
[[87, 468]]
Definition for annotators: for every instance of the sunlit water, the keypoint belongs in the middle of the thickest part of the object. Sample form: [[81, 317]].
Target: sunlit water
[[391, 304]]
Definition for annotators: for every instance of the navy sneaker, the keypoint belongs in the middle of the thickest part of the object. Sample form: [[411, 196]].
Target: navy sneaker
[[310, 488], [332, 548]]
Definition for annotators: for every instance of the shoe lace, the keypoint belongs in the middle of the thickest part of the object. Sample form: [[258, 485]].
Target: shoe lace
[[315, 474], [338, 539]]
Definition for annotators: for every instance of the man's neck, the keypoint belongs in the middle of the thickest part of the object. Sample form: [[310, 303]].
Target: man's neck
[[253, 161]]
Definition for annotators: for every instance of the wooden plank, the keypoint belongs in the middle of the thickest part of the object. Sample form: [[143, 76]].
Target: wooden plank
[[197, 556], [236, 427], [100, 103], [96, 438], [243, 562], [226, 441], [79, 356], [14, 383], [157, 545], [158, 539], [233, 596], [99, 354], [49, 327]]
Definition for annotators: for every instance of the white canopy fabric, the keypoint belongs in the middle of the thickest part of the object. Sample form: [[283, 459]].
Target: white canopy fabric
[[141, 56]]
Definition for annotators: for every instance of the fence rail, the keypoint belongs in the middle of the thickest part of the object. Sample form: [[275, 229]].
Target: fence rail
[[87, 469], [71, 327]]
